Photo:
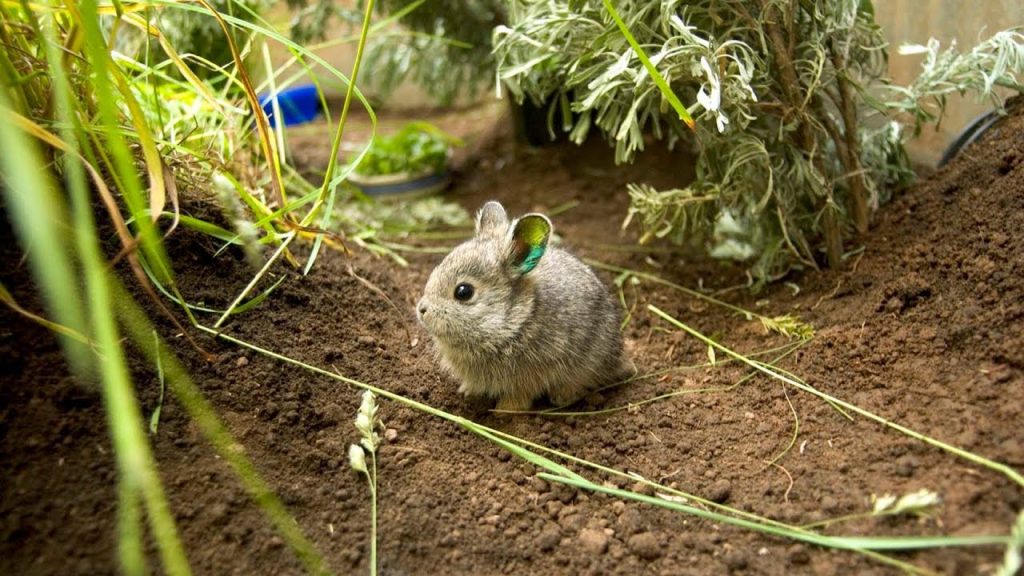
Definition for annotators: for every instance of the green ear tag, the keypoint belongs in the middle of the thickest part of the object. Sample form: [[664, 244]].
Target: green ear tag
[[529, 242]]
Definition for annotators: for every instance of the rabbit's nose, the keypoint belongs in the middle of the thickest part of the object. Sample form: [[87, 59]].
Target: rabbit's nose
[[421, 308]]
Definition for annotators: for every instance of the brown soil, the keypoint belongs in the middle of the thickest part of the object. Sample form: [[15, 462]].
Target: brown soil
[[925, 328]]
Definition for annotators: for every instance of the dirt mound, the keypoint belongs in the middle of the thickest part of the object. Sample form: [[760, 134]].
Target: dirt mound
[[925, 327]]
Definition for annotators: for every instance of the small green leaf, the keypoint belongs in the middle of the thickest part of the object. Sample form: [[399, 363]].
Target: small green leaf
[[659, 80]]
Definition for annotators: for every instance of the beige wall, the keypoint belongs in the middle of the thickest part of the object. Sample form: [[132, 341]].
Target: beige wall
[[914, 22]]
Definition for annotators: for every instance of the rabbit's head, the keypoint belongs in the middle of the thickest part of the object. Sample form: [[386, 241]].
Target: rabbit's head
[[479, 295]]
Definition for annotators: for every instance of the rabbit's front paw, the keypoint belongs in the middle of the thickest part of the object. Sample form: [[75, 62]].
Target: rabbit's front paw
[[565, 398], [514, 404]]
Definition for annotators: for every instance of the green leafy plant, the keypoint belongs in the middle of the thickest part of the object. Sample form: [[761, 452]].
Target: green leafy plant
[[99, 141], [442, 45], [416, 148], [794, 154]]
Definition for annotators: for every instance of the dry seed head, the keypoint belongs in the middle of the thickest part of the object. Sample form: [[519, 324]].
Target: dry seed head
[[357, 458]]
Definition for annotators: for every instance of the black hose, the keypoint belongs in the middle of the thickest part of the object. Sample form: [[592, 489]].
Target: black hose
[[970, 134]]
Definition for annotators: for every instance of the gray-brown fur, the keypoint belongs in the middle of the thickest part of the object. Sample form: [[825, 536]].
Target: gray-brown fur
[[553, 330]]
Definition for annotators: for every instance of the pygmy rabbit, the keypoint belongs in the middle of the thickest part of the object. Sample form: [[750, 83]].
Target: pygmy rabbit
[[514, 319]]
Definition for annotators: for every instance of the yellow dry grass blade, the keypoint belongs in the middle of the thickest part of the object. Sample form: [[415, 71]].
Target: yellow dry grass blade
[[150, 153], [8, 299], [179, 63], [262, 125]]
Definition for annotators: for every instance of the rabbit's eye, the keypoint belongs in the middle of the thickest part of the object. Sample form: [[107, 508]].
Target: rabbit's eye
[[463, 292]]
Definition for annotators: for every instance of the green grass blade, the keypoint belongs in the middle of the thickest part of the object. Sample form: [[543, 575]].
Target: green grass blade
[[1013, 559], [140, 329], [129, 524], [531, 457], [123, 161], [208, 228], [37, 214], [327, 192], [659, 80], [243, 307], [136, 465], [266, 139], [1010, 473], [798, 328], [255, 280], [154, 419]]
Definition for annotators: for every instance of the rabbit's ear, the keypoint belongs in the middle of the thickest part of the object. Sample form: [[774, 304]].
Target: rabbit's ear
[[529, 241], [491, 220]]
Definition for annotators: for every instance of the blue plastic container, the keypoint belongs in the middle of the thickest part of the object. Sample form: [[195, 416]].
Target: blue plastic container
[[298, 105]]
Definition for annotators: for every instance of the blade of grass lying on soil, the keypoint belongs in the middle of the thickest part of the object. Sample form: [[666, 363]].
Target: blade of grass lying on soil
[[857, 543], [529, 450], [785, 325], [288, 237], [559, 411], [796, 431], [1013, 560], [1003, 469], [919, 503], [241, 308]]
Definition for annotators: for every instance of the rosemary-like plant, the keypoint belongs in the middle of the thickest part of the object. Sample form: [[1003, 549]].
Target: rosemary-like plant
[[443, 45], [793, 155]]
